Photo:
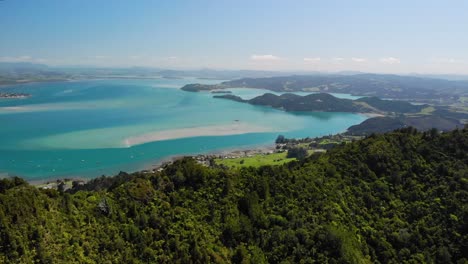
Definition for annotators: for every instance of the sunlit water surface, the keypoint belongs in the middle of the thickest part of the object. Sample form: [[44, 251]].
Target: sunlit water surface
[[78, 129]]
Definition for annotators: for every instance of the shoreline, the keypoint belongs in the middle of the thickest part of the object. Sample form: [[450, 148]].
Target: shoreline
[[97, 78], [202, 157], [3, 85], [371, 115], [155, 165], [233, 128]]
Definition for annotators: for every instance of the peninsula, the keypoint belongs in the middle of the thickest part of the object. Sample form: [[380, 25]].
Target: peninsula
[[391, 114], [325, 102]]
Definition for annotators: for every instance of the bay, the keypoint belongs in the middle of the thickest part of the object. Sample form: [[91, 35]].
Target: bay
[[90, 128]]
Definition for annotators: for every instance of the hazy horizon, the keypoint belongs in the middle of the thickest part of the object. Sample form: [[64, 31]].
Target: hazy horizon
[[401, 37]]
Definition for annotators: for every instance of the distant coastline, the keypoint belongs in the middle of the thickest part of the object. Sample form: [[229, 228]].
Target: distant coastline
[[94, 78], [20, 82]]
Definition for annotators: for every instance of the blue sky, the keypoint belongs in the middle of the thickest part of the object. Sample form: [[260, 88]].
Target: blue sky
[[375, 36]]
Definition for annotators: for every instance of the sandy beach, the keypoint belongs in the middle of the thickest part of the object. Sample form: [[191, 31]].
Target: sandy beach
[[236, 128], [370, 115]]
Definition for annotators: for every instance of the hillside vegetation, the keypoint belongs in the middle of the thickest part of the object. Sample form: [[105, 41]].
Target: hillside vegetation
[[400, 197], [328, 103], [399, 114], [379, 85]]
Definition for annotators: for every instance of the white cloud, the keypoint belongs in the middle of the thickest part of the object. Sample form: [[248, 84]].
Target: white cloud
[[359, 60], [264, 58], [99, 57], [338, 60], [312, 60], [390, 60], [22, 59], [16, 59], [171, 58]]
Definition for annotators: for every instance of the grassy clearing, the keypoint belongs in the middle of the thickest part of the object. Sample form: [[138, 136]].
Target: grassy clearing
[[328, 141], [427, 110], [303, 145], [463, 109], [311, 89], [255, 161], [54, 184]]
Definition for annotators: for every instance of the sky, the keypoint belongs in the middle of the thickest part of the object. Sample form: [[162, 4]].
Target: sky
[[398, 36]]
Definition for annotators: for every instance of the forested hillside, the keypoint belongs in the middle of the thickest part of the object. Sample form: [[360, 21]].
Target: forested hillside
[[379, 85], [400, 197], [327, 103]]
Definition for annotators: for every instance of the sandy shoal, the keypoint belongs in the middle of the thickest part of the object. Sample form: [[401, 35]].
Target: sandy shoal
[[236, 128]]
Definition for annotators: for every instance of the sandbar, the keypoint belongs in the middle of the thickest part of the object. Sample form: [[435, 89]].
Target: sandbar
[[236, 128]]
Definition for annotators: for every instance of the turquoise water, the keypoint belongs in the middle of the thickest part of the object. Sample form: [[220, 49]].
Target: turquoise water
[[78, 129]]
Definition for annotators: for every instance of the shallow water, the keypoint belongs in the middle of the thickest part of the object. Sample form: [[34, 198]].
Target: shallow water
[[78, 129]]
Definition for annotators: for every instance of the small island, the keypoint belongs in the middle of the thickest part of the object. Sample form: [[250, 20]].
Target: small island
[[196, 87], [14, 95]]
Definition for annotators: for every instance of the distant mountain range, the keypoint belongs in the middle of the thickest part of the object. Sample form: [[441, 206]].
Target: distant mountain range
[[429, 87], [14, 72]]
